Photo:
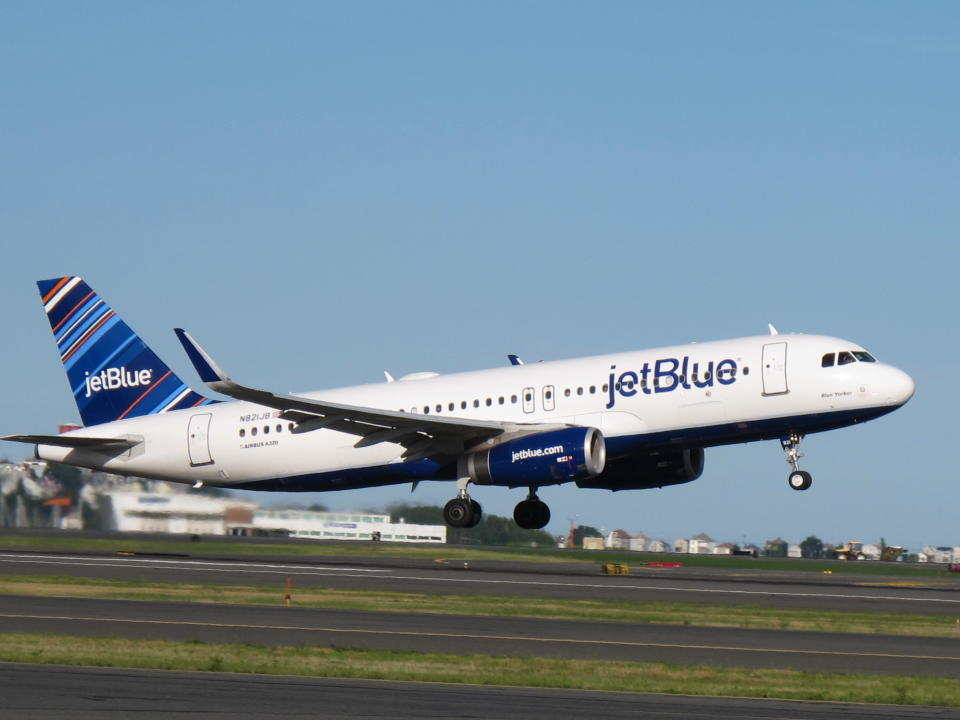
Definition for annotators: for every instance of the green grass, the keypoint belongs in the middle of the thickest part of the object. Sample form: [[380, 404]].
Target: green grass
[[739, 616], [479, 670]]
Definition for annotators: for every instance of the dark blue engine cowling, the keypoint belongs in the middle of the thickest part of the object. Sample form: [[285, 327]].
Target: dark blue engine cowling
[[547, 458], [657, 469]]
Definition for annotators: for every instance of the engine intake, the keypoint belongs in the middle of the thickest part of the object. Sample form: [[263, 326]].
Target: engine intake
[[545, 458], [649, 471]]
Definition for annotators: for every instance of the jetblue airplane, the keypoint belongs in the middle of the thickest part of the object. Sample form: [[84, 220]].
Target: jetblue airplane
[[624, 421]]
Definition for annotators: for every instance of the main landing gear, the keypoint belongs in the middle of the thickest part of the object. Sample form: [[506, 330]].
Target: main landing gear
[[463, 511], [797, 479], [532, 513]]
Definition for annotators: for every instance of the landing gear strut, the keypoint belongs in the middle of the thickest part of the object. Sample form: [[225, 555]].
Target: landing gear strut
[[532, 513], [797, 479], [463, 511]]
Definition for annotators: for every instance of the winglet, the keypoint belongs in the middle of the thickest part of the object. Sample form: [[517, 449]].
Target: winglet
[[515, 359], [206, 368]]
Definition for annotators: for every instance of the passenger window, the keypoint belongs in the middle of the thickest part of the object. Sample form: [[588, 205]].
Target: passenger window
[[463, 404], [827, 360], [439, 407], [476, 403], [426, 409], [489, 402], [513, 399], [242, 432], [593, 389], [500, 400], [450, 407], [253, 431], [266, 429], [566, 393], [845, 358], [279, 427]]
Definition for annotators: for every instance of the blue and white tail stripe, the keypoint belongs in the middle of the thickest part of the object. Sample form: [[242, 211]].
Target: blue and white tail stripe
[[112, 373]]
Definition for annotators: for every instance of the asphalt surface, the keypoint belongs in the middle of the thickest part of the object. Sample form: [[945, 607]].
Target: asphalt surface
[[71, 692], [37, 692], [796, 590]]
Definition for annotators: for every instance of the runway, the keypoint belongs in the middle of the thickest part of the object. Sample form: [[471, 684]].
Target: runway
[[37, 692], [459, 634], [796, 590], [684, 645]]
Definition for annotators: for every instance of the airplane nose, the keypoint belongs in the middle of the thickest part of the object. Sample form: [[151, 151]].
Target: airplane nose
[[899, 386]]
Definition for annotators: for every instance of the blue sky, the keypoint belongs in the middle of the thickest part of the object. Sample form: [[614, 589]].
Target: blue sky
[[321, 192]]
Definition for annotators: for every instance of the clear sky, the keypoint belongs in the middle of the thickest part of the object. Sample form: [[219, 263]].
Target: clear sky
[[323, 191]]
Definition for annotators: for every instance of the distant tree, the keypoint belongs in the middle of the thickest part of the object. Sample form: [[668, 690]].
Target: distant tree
[[317, 507], [812, 547], [69, 477], [582, 531], [775, 548]]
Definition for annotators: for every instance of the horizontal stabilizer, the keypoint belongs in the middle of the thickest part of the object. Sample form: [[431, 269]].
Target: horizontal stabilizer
[[72, 441]]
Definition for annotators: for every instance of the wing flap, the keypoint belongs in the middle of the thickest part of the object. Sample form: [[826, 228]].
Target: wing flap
[[73, 441]]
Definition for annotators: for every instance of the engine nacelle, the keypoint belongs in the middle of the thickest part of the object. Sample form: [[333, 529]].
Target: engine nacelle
[[548, 458], [649, 471]]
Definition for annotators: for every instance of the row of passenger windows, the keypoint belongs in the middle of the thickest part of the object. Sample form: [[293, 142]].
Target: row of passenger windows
[[265, 430], [568, 392], [846, 357]]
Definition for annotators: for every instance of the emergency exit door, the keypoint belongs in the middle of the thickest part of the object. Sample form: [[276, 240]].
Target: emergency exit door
[[775, 368], [198, 440]]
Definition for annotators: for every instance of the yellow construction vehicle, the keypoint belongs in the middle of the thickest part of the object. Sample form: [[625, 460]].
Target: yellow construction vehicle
[[850, 551], [890, 553]]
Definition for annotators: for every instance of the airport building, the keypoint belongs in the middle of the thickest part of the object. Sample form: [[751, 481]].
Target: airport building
[[346, 526], [198, 515]]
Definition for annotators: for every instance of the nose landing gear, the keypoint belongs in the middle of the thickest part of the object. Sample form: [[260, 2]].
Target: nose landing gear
[[797, 479], [463, 511]]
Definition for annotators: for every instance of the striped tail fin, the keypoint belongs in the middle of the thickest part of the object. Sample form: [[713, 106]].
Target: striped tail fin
[[112, 373]]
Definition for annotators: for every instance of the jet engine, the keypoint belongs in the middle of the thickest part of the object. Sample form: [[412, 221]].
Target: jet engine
[[648, 471], [547, 458]]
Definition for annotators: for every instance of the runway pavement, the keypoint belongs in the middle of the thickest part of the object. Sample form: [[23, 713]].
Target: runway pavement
[[137, 694], [797, 590], [459, 634], [37, 692], [33, 692]]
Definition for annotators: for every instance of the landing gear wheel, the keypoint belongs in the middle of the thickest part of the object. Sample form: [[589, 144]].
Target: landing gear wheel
[[462, 513], [800, 480], [531, 514], [477, 513]]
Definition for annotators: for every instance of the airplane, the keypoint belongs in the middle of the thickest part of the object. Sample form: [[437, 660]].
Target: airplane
[[622, 421]]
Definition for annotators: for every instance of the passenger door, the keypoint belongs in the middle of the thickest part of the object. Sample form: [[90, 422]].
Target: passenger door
[[775, 368]]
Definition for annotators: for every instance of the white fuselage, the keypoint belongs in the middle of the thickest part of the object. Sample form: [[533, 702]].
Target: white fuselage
[[685, 396]]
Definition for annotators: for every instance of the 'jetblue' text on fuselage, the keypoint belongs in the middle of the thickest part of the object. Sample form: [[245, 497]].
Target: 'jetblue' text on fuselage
[[668, 374]]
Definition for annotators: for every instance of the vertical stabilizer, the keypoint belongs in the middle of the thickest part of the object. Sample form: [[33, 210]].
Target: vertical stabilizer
[[112, 373]]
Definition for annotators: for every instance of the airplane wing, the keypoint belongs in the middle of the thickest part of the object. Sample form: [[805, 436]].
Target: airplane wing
[[72, 441], [422, 436]]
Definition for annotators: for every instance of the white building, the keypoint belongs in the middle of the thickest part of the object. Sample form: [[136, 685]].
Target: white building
[[345, 526], [701, 544], [176, 513]]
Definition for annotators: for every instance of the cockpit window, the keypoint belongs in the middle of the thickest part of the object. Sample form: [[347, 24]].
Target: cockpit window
[[863, 356], [827, 360], [845, 358]]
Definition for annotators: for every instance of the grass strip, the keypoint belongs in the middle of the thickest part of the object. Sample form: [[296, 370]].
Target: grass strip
[[479, 670], [738, 616]]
